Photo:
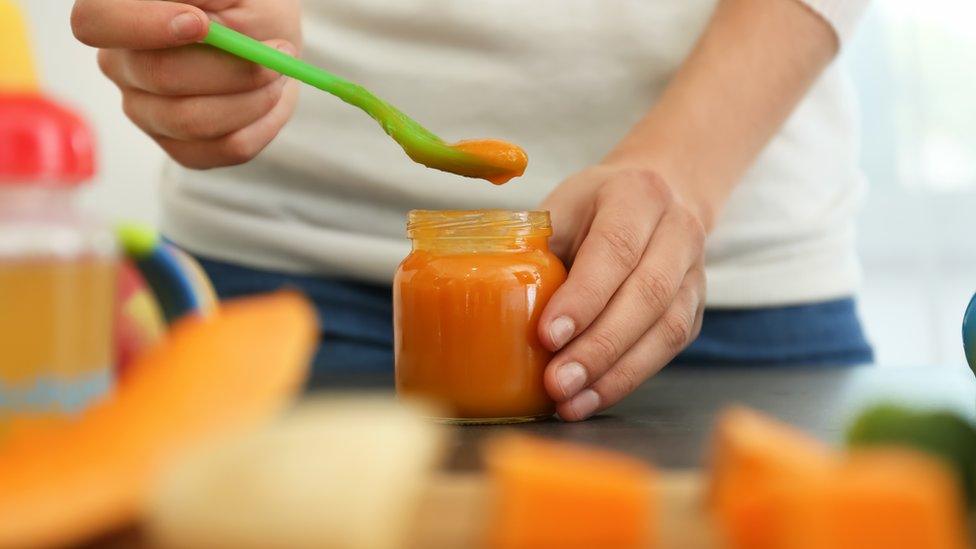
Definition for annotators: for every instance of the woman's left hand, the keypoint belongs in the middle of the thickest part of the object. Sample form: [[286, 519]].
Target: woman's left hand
[[636, 289]]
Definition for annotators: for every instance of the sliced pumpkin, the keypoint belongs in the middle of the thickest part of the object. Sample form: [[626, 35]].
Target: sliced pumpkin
[[892, 498], [555, 494], [757, 464], [211, 375]]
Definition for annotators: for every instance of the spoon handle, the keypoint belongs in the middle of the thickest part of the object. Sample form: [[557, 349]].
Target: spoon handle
[[245, 47], [396, 124]]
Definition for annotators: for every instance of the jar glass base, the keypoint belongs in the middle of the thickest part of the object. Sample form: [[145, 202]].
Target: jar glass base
[[490, 420]]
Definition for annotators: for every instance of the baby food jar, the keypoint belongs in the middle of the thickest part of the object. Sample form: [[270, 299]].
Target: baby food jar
[[466, 303], [57, 267]]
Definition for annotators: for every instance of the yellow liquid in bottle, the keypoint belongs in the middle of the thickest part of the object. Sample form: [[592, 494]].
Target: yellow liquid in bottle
[[56, 320]]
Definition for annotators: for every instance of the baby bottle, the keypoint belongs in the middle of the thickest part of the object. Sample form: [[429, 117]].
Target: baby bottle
[[57, 266]]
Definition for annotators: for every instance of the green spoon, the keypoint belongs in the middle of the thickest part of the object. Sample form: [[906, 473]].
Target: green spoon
[[494, 160]]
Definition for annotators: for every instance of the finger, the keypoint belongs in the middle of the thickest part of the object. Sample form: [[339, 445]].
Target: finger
[[238, 147], [137, 24], [261, 20], [626, 213], [647, 294], [677, 328], [200, 118], [189, 70]]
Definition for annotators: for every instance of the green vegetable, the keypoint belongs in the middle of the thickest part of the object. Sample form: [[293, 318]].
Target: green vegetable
[[941, 433]]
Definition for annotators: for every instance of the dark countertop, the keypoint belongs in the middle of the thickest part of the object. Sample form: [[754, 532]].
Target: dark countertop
[[668, 419]]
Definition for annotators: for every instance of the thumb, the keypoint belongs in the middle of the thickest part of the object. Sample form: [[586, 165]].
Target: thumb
[[137, 24], [570, 221]]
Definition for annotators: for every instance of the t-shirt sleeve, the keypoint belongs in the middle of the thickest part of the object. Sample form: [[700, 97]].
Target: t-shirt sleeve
[[842, 15]]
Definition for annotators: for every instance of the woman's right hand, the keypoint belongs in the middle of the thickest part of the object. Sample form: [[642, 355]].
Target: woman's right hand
[[204, 107]]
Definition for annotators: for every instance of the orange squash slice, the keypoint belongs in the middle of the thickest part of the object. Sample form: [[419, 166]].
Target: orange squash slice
[[555, 494], [892, 498], [757, 465], [67, 483]]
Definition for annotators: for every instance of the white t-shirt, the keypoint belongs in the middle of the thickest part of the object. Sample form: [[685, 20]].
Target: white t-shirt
[[565, 79]]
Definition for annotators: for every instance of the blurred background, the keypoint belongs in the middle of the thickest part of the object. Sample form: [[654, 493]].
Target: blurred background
[[912, 64]]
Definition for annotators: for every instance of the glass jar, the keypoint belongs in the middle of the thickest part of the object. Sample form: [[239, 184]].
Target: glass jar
[[57, 266], [466, 303]]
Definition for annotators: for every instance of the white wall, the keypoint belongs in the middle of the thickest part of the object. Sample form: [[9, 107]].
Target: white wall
[[916, 230], [128, 160]]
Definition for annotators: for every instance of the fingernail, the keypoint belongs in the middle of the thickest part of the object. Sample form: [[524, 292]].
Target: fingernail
[[585, 403], [286, 48], [186, 26], [571, 378], [561, 330]]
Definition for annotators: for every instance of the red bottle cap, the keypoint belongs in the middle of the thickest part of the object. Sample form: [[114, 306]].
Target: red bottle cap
[[42, 142]]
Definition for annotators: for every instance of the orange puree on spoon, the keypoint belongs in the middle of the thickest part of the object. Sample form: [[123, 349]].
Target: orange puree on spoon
[[500, 161]]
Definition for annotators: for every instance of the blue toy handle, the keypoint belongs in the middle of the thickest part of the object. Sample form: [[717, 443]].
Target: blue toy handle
[[969, 333], [176, 280]]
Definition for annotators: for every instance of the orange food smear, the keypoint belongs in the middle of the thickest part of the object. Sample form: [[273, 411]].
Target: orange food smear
[[555, 494], [506, 160], [466, 329]]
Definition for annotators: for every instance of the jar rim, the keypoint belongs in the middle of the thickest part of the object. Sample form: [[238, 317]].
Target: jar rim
[[488, 223]]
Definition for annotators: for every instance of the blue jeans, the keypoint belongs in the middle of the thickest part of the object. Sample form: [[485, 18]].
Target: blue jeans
[[356, 321]]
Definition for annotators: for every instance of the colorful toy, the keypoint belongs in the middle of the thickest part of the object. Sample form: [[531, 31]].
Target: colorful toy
[[177, 281], [158, 285], [969, 333], [139, 322]]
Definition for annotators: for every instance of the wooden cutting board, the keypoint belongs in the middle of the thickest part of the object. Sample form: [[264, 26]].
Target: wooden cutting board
[[455, 513]]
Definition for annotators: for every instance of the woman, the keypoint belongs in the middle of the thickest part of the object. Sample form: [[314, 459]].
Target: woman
[[673, 141]]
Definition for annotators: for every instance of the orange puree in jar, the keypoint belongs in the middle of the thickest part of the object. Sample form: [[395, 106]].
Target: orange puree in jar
[[467, 303]]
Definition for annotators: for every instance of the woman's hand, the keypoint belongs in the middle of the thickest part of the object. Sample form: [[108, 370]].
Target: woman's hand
[[634, 236], [636, 289], [205, 108]]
